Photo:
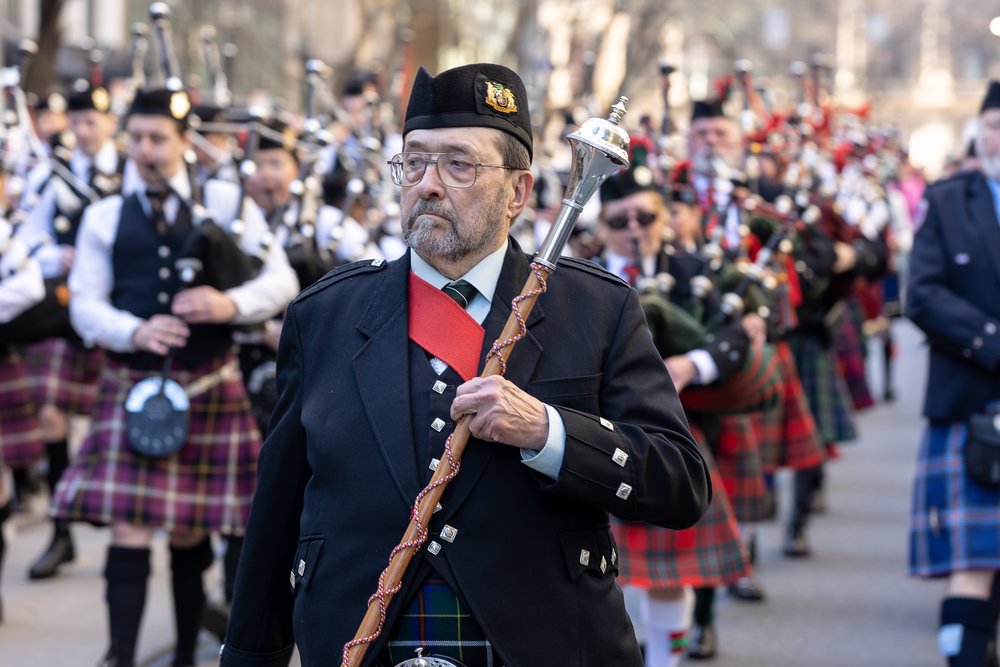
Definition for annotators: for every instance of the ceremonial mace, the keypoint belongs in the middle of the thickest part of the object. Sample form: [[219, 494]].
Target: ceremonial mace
[[600, 148]]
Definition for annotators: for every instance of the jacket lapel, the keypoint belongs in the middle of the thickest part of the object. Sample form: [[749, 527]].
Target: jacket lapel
[[982, 209], [520, 368], [382, 371]]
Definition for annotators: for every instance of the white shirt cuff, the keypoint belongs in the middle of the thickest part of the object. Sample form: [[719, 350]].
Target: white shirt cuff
[[548, 460], [708, 372]]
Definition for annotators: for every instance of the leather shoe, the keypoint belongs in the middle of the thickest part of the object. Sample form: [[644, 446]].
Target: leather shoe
[[60, 551], [796, 545], [746, 589], [215, 619], [702, 645]]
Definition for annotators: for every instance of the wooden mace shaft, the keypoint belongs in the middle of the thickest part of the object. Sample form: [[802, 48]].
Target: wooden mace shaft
[[459, 439]]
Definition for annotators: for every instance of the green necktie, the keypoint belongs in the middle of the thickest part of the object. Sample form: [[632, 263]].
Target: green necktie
[[462, 291]]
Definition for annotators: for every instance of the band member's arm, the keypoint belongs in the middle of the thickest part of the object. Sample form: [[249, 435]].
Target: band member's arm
[[35, 230], [20, 291], [267, 294], [92, 279], [951, 323]]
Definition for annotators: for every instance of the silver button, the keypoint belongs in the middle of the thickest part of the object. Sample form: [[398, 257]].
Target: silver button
[[439, 387], [438, 508], [607, 424], [434, 464], [709, 338], [438, 424], [614, 556], [619, 457], [164, 273], [990, 329], [164, 251], [977, 343], [291, 579], [62, 224], [584, 557], [624, 491], [302, 567], [967, 353], [434, 548], [378, 262], [449, 533], [604, 564], [734, 355], [163, 297], [724, 346]]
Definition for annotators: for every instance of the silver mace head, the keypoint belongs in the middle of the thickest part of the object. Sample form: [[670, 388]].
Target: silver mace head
[[159, 10], [600, 148]]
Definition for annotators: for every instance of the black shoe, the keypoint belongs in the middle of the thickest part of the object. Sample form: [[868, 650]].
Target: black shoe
[[702, 645], [991, 655], [746, 589], [817, 504], [116, 659], [796, 545], [215, 619], [889, 396], [60, 551]]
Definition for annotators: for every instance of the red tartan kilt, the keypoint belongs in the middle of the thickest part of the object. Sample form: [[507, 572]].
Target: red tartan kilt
[[64, 373], [787, 434], [206, 486], [851, 357], [740, 468], [708, 554], [20, 438]]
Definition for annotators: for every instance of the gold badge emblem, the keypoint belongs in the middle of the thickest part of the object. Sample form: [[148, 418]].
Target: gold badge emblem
[[179, 105], [500, 98], [101, 100]]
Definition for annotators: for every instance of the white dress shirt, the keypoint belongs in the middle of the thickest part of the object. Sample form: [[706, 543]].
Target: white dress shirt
[[91, 279], [22, 285]]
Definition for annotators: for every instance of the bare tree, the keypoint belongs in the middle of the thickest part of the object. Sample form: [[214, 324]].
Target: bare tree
[[41, 70]]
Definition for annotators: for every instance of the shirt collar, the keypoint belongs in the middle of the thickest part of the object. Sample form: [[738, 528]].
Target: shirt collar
[[179, 183], [483, 276]]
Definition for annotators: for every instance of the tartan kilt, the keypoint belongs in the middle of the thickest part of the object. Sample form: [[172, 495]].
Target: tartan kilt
[[710, 553], [206, 486], [954, 522], [740, 468], [20, 438], [787, 434], [64, 373], [850, 347], [825, 389]]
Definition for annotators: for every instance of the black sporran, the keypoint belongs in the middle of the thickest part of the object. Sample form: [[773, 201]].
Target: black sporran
[[982, 450]]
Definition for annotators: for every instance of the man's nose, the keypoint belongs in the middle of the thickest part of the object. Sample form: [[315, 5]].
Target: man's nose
[[430, 184]]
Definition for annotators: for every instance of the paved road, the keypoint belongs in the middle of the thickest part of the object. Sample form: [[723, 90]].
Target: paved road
[[849, 605]]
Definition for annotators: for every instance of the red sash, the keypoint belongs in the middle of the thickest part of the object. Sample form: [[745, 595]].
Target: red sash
[[443, 328]]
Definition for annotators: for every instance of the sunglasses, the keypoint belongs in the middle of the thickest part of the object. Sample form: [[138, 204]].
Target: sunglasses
[[644, 218]]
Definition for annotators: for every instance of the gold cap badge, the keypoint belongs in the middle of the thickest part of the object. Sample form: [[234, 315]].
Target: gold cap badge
[[500, 98], [179, 105], [101, 99]]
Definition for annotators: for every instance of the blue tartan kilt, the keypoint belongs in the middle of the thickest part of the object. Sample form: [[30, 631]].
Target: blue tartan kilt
[[954, 522]]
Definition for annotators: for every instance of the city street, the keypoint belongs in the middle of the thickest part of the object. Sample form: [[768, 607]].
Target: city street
[[851, 604]]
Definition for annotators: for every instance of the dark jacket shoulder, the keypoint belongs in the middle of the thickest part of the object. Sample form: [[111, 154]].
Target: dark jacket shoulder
[[590, 267], [341, 273]]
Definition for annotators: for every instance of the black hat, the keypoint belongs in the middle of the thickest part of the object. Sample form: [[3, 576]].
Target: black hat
[[206, 113], [627, 182], [86, 97], [707, 109], [174, 104], [53, 102], [276, 134], [480, 95], [992, 99]]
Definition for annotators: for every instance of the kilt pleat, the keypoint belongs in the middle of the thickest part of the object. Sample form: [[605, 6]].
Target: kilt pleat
[[710, 553], [787, 434], [954, 521], [64, 373], [740, 468], [20, 438], [206, 486], [850, 347], [825, 389]]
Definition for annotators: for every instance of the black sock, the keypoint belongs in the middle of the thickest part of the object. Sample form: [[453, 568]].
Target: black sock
[[807, 481], [704, 606], [4, 515], [58, 456], [234, 546], [966, 631], [127, 574], [186, 568]]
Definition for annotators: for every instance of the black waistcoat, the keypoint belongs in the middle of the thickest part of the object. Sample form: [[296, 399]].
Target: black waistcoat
[[145, 282]]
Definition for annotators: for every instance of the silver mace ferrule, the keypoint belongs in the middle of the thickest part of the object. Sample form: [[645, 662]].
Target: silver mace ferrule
[[600, 148]]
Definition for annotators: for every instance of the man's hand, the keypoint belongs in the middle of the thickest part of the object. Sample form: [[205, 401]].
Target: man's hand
[[203, 305], [847, 257], [66, 260], [682, 370], [755, 328], [272, 334], [502, 412], [160, 333]]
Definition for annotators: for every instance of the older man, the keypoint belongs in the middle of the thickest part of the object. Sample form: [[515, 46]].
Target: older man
[[519, 566]]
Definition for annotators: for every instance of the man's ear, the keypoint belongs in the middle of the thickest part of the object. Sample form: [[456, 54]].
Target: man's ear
[[524, 183]]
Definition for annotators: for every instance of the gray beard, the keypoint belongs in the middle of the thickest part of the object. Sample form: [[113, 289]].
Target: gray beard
[[452, 245]]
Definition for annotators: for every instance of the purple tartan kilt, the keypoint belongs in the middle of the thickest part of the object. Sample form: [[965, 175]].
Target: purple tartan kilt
[[708, 554], [954, 522], [64, 373], [825, 389], [850, 347], [206, 486], [740, 468], [20, 438]]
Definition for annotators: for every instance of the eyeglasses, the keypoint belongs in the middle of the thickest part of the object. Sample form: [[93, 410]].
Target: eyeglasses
[[456, 170], [644, 218]]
